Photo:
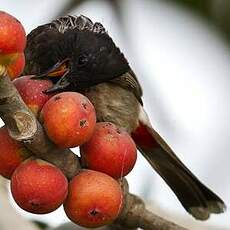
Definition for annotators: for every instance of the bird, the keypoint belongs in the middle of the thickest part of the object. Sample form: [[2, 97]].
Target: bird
[[79, 55]]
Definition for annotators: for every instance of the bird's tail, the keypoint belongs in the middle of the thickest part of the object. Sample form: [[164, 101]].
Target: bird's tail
[[195, 197]]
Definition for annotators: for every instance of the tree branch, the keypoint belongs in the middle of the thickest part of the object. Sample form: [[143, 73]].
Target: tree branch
[[23, 126]]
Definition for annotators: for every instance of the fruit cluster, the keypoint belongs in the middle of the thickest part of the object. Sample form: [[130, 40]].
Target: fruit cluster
[[93, 197]]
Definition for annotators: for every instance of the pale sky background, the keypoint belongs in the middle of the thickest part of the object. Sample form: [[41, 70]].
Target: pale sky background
[[184, 67]]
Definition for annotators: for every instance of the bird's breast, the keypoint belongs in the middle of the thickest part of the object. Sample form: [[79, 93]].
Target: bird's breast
[[114, 104]]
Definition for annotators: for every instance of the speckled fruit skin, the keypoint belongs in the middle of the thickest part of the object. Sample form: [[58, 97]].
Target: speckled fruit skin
[[13, 36], [109, 150], [69, 119], [12, 153], [15, 69], [31, 91], [38, 187], [94, 199]]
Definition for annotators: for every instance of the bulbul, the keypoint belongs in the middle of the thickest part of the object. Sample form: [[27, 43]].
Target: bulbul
[[79, 55]]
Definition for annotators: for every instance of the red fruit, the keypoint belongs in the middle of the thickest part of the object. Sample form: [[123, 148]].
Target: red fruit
[[15, 69], [31, 92], [110, 150], [12, 153], [12, 35], [69, 119], [12, 44], [38, 187], [94, 199]]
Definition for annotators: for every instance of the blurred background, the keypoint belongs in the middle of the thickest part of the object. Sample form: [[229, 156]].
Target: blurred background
[[180, 51]]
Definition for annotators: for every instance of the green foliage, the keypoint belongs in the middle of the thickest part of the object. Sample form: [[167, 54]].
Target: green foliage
[[202, 6]]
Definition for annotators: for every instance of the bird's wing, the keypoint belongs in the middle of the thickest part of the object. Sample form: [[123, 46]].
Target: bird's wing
[[130, 82]]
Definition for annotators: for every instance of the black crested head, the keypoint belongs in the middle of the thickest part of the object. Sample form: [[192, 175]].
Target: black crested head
[[92, 57]]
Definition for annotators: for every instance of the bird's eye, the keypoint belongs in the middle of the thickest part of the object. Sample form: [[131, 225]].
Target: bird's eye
[[82, 60]]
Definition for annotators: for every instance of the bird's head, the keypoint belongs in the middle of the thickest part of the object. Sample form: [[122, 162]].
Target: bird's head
[[78, 59]]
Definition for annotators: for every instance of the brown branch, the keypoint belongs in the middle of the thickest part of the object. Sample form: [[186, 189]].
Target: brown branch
[[134, 214], [23, 126]]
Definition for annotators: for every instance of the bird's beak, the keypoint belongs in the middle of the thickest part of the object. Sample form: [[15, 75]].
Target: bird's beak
[[57, 73], [61, 85]]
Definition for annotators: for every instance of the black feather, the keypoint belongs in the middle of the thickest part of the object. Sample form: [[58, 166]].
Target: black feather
[[73, 37]]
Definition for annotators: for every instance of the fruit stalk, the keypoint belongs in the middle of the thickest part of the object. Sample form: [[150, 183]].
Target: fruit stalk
[[23, 126]]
